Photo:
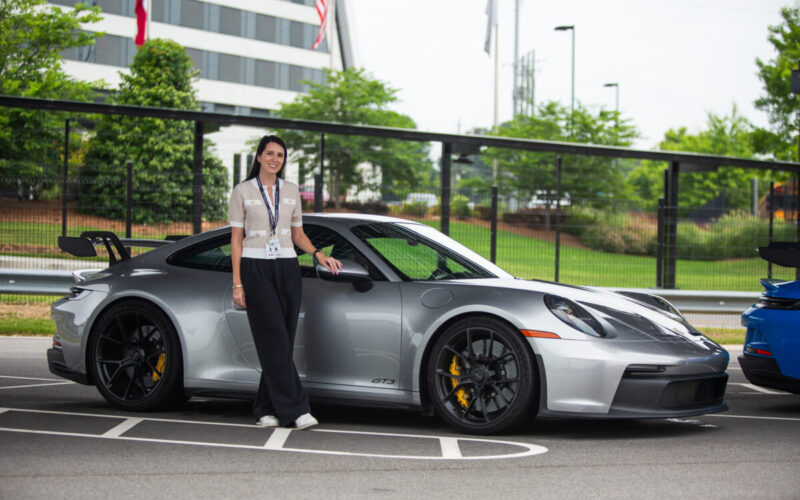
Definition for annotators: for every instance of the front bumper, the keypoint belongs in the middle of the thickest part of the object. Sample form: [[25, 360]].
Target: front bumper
[[55, 361], [765, 372]]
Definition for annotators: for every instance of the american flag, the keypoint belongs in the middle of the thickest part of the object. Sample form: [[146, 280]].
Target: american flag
[[322, 10]]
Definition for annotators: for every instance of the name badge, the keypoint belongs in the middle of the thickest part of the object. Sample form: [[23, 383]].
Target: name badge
[[273, 247]]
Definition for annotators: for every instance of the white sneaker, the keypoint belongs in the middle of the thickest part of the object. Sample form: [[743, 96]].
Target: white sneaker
[[305, 421], [268, 421]]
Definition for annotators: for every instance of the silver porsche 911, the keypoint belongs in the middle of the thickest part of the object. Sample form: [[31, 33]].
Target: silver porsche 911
[[415, 320]]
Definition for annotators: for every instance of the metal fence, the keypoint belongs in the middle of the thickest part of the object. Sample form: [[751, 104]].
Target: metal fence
[[547, 231]]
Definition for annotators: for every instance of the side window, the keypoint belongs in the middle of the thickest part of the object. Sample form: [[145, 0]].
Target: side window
[[214, 255], [333, 244]]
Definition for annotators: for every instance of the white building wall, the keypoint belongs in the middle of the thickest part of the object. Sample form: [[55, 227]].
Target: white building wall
[[229, 140]]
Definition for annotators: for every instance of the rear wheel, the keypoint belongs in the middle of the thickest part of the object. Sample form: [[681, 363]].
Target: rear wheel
[[481, 376], [136, 358]]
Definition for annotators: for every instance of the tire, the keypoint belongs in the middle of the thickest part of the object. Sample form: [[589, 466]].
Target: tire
[[482, 377], [135, 358]]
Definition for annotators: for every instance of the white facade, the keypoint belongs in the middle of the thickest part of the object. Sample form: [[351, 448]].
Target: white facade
[[249, 72]]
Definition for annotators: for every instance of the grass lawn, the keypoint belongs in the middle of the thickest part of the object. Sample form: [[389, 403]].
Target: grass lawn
[[533, 258]]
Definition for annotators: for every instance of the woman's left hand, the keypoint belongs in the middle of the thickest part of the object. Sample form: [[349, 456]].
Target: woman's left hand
[[330, 263]]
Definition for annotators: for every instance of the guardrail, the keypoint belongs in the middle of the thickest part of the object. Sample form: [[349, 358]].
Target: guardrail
[[35, 282]]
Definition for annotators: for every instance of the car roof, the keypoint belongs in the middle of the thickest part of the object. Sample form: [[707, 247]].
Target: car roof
[[355, 218]]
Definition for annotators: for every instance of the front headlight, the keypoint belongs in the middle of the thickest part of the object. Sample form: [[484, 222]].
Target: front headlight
[[574, 315], [77, 292]]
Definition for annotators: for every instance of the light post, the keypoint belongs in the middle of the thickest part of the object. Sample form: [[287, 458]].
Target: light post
[[572, 99], [616, 85]]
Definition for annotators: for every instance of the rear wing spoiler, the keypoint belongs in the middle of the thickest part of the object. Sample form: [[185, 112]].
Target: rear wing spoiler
[[118, 249], [783, 253]]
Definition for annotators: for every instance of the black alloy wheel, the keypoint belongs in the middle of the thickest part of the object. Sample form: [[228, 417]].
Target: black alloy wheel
[[481, 376], [136, 359]]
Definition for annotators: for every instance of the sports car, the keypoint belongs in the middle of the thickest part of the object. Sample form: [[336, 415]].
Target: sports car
[[771, 354], [414, 320]]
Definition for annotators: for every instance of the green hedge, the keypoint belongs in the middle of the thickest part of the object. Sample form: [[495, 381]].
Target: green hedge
[[734, 235]]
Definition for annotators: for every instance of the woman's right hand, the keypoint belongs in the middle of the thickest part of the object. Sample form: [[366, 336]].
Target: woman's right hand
[[238, 297]]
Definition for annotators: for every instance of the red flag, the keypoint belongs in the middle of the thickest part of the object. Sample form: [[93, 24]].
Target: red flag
[[141, 23], [322, 10]]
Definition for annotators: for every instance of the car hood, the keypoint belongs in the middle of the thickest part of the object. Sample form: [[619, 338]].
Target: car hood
[[602, 302]]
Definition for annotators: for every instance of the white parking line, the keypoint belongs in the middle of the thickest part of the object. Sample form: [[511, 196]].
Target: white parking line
[[277, 439], [450, 448], [33, 385], [32, 378], [760, 389], [120, 429]]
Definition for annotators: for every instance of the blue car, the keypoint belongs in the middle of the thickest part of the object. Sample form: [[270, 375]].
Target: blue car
[[771, 355]]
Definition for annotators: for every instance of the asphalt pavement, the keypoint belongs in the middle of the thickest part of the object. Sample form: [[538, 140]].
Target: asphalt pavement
[[59, 439]]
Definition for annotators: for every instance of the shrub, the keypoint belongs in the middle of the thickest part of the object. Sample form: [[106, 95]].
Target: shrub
[[415, 208], [459, 206]]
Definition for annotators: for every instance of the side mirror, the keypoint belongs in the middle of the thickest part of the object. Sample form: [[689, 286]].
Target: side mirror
[[350, 272]]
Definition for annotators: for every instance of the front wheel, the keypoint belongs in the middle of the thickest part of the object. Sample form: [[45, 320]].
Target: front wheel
[[481, 376], [136, 358]]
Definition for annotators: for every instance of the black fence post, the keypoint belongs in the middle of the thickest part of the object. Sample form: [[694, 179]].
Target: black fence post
[[660, 244], [128, 199], [447, 152], [672, 225], [771, 211], [558, 216], [197, 208], [64, 185], [237, 168], [319, 178], [493, 241]]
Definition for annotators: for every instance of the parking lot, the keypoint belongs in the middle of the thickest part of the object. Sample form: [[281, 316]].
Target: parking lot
[[61, 440]]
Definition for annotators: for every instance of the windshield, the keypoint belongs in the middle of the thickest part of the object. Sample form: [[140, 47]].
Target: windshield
[[419, 252]]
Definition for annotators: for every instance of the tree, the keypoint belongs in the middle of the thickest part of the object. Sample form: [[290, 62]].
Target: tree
[[729, 135], [32, 37], [777, 100], [586, 178], [161, 150], [352, 96]]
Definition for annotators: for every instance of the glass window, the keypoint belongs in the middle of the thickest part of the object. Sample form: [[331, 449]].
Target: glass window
[[266, 28], [214, 255], [197, 58], [230, 21], [333, 244], [414, 257], [296, 34], [265, 74], [295, 76], [159, 11], [192, 14], [118, 7], [230, 68]]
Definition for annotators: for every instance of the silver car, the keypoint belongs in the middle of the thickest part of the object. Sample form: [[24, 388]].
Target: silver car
[[415, 320]]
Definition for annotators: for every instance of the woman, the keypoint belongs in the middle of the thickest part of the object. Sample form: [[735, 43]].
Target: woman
[[266, 222]]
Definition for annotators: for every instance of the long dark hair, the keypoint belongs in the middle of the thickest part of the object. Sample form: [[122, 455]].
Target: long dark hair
[[255, 169]]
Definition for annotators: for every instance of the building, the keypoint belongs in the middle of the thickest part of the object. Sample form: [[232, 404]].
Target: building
[[251, 54]]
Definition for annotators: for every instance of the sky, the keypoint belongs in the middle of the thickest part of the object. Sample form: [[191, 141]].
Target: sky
[[674, 60]]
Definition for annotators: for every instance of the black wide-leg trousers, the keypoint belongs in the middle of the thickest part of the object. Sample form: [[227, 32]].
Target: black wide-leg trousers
[[272, 291]]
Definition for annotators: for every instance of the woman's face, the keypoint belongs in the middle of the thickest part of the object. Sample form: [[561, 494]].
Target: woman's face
[[271, 159]]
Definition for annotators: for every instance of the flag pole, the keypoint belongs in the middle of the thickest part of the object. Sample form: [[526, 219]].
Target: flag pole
[[496, 80], [332, 20], [149, 19]]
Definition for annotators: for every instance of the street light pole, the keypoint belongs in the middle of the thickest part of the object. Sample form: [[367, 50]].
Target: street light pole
[[616, 85], [572, 98]]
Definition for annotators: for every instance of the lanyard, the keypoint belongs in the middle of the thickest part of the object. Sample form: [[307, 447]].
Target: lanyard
[[273, 222]]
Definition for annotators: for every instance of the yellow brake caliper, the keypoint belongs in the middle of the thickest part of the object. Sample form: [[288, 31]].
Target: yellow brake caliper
[[162, 360], [461, 394]]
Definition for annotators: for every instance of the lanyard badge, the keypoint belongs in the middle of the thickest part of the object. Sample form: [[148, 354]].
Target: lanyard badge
[[273, 246]]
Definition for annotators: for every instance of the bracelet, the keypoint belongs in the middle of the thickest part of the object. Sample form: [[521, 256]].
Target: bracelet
[[235, 286], [316, 251]]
